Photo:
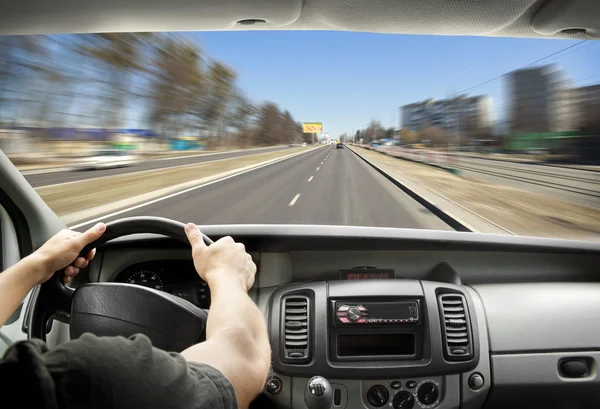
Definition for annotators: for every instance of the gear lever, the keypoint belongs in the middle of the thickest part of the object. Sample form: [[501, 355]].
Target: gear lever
[[318, 393]]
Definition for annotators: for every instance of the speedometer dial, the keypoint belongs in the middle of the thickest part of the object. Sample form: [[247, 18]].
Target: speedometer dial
[[146, 278]]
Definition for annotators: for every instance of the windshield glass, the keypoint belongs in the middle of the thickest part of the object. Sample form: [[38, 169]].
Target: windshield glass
[[488, 135]]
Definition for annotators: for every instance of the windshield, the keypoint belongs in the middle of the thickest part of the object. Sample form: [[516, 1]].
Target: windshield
[[482, 135]]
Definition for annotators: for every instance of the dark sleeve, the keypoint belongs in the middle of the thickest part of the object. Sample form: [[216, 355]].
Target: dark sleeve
[[116, 372]]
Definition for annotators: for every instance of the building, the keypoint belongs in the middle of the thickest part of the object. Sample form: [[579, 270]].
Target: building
[[540, 100], [463, 115], [587, 101]]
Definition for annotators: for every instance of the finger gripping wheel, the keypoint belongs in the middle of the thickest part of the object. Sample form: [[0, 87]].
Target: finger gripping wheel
[[121, 309]]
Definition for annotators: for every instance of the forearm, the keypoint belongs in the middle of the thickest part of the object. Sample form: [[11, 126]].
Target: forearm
[[15, 283], [232, 308], [237, 343]]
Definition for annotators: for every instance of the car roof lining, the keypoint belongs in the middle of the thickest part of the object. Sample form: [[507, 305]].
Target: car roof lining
[[504, 18]]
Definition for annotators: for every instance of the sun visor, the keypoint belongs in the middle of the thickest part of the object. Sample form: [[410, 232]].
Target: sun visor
[[93, 16], [569, 16]]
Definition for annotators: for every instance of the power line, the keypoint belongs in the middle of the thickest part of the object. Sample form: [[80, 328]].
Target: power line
[[525, 66]]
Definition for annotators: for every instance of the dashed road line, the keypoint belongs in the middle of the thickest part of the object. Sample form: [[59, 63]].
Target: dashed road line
[[318, 168], [294, 200], [310, 178]]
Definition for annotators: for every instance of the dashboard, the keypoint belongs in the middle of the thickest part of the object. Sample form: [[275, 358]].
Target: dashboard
[[447, 321], [177, 277]]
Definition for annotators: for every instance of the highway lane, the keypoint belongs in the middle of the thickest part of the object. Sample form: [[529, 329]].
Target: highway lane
[[570, 184], [324, 186], [51, 177]]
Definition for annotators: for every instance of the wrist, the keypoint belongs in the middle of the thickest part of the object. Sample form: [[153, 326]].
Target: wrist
[[35, 267], [224, 279]]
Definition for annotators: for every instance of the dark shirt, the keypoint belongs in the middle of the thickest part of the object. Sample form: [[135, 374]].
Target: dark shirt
[[108, 372]]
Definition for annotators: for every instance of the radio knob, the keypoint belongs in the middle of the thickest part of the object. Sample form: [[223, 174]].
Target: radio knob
[[353, 313], [404, 400], [428, 393]]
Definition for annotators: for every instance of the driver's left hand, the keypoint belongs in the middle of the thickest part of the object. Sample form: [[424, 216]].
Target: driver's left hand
[[62, 250]]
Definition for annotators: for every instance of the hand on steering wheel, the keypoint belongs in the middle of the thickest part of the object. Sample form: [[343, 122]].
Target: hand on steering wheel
[[62, 251], [225, 259]]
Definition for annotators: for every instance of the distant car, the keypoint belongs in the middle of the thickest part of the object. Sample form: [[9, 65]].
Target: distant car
[[339, 145], [108, 158]]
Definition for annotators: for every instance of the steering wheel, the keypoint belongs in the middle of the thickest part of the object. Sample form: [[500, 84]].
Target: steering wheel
[[112, 309]]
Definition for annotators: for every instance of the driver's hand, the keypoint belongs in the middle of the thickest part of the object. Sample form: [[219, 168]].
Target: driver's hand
[[224, 260], [62, 250]]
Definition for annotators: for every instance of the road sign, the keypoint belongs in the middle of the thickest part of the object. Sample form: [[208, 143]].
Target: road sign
[[312, 127]]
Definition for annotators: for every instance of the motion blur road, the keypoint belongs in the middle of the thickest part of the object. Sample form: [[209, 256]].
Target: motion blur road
[[53, 177], [323, 186]]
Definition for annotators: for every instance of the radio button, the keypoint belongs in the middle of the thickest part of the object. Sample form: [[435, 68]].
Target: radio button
[[343, 308], [412, 310], [344, 320], [411, 384], [396, 385], [342, 314]]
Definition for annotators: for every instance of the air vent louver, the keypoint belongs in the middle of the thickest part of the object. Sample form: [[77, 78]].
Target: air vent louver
[[456, 327], [296, 315]]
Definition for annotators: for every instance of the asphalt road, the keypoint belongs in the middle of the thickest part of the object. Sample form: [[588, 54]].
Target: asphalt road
[[325, 186], [52, 177], [570, 184]]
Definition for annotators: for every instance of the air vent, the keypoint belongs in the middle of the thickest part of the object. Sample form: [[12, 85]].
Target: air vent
[[456, 327], [296, 343]]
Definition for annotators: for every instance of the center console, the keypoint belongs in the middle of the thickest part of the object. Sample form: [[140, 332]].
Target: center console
[[376, 343]]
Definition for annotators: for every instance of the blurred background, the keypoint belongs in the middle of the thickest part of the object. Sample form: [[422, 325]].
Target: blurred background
[[544, 117], [63, 97], [475, 127]]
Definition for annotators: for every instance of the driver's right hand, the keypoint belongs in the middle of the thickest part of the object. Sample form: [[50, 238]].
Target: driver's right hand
[[224, 261]]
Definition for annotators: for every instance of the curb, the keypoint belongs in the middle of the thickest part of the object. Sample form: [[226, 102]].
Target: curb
[[98, 213]]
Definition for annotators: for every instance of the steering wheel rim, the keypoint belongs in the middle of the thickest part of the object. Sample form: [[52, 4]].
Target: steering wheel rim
[[54, 299]]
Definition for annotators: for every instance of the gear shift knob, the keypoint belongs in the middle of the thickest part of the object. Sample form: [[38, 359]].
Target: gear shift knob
[[318, 393]]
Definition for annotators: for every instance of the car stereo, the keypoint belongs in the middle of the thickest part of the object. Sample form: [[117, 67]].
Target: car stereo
[[379, 329], [377, 312]]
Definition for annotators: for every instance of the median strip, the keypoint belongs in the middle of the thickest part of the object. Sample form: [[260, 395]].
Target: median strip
[[78, 201]]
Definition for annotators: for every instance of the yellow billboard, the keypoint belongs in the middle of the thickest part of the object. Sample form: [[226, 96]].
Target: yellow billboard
[[312, 127]]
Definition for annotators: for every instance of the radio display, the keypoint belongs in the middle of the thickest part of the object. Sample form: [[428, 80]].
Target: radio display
[[367, 274]]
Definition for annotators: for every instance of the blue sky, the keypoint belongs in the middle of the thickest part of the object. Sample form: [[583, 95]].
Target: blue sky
[[344, 79]]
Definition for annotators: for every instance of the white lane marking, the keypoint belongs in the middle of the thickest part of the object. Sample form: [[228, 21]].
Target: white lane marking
[[310, 178], [293, 202], [160, 199], [318, 168], [323, 161]]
